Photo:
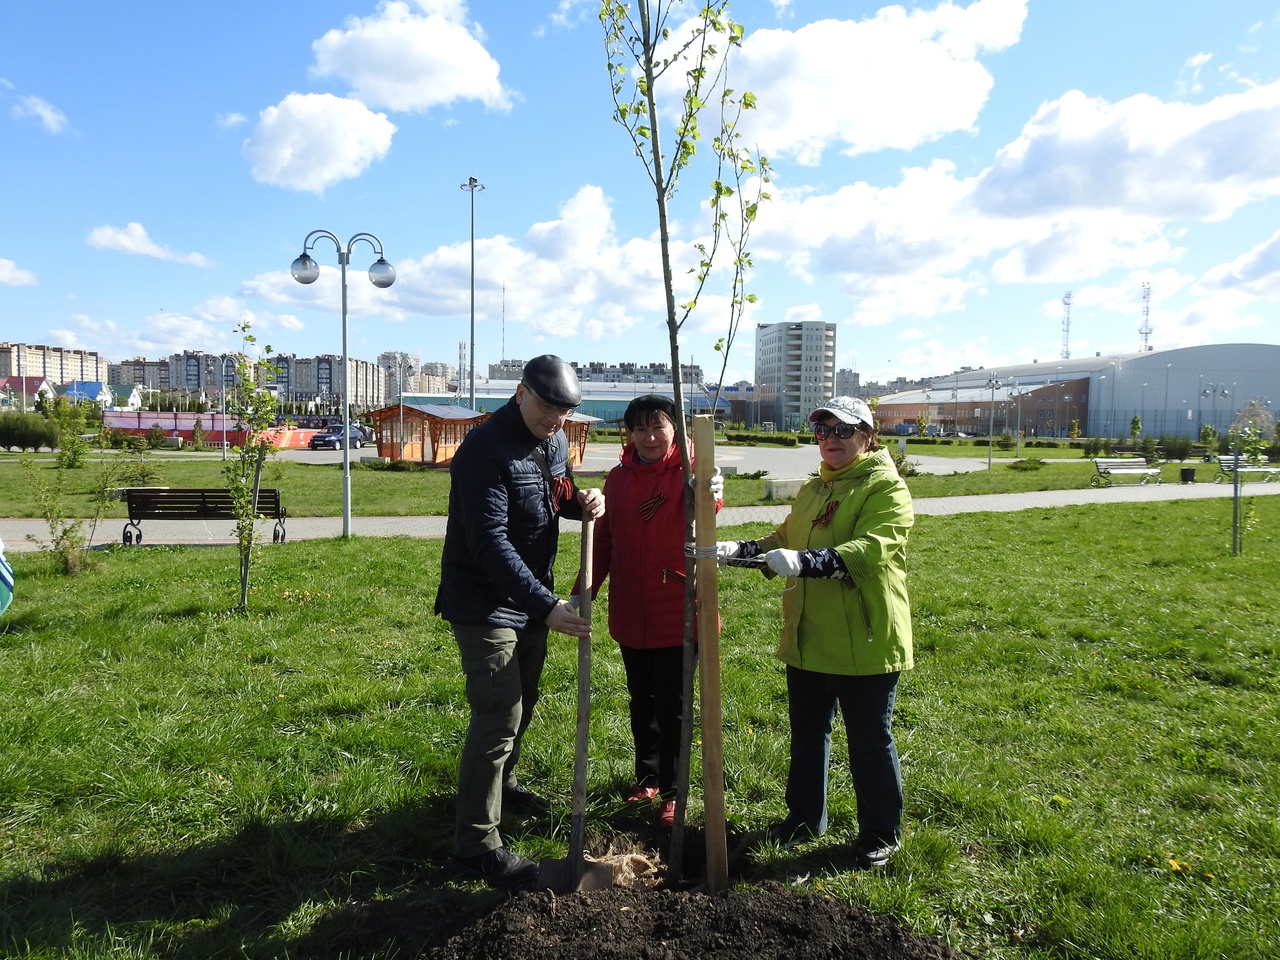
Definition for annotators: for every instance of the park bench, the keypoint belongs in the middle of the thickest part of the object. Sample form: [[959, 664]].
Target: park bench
[[1228, 466], [1109, 467], [170, 503]]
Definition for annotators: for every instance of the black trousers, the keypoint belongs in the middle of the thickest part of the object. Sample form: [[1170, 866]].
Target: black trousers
[[654, 682]]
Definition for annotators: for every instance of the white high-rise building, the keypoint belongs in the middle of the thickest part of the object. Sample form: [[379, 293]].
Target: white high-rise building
[[795, 370], [402, 373]]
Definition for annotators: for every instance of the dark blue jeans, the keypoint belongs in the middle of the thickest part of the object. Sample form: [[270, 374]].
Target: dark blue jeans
[[867, 706]]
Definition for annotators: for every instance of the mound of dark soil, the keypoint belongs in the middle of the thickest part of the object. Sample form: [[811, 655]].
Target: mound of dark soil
[[772, 923], [662, 925]]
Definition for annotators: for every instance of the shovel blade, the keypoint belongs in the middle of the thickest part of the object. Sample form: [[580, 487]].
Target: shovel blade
[[559, 876]]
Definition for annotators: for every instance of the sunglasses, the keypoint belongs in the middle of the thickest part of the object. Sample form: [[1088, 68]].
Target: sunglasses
[[843, 431], [550, 409]]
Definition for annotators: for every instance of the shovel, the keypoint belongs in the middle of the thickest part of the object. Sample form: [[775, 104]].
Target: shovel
[[576, 873]]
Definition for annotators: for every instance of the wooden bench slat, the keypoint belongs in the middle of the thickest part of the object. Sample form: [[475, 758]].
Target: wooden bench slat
[[195, 503], [1133, 466], [1229, 466]]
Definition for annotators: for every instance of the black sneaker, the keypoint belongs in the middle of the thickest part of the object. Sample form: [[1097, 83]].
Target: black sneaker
[[791, 831], [522, 801], [498, 868], [869, 853]]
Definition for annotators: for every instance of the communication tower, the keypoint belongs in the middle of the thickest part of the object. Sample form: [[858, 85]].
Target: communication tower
[[1145, 330], [1066, 325]]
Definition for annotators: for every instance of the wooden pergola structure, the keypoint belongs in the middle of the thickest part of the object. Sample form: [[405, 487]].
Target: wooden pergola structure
[[577, 428], [433, 431]]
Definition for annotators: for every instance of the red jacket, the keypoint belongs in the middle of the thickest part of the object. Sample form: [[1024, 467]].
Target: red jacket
[[640, 541]]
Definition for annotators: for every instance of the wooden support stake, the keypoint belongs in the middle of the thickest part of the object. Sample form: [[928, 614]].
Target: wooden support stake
[[704, 515]]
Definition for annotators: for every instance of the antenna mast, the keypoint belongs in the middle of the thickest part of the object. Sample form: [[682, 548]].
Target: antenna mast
[[1145, 330], [1066, 325]]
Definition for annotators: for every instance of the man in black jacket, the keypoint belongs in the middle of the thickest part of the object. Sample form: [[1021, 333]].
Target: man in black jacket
[[510, 483]]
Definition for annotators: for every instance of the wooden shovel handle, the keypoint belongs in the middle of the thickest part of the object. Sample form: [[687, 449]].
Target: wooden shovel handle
[[577, 829]]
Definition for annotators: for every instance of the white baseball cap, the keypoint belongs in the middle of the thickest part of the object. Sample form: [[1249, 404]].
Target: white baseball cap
[[846, 410]]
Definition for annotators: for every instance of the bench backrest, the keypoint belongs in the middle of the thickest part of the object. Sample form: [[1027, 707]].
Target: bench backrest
[[1107, 464], [1231, 463], [175, 503]]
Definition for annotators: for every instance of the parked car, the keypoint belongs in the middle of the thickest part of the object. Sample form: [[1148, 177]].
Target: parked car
[[330, 438]]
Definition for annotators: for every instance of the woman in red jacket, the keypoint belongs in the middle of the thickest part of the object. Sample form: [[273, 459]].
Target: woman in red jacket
[[640, 541]]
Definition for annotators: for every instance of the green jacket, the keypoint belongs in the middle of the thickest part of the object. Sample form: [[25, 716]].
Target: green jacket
[[860, 626]]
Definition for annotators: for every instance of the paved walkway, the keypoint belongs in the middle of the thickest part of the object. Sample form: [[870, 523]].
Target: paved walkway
[[220, 532]]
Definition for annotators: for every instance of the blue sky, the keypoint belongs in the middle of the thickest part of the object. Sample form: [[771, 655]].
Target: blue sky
[[944, 173]]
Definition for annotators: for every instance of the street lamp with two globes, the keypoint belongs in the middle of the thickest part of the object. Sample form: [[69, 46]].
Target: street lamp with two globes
[[992, 385], [382, 275]]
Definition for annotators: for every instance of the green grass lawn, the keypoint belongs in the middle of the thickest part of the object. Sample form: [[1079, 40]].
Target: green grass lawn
[[1089, 742], [315, 489]]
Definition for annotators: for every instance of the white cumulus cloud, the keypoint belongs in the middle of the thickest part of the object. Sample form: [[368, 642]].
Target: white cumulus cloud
[[12, 275], [893, 81], [1088, 187], [133, 238], [310, 141], [570, 276], [1256, 271], [400, 60], [46, 114], [1141, 155]]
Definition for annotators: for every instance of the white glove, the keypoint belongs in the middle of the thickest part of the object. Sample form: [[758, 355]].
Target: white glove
[[785, 563], [719, 551], [716, 485]]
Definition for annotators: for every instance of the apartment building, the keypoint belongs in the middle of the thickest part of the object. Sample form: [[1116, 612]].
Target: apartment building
[[56, 364], [795, 370]]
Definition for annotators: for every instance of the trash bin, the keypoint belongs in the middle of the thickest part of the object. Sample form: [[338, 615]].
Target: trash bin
[[1188, 474]]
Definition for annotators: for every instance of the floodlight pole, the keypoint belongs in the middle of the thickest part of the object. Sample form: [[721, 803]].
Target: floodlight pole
[[381, 274], [471, 186], [991, 418]]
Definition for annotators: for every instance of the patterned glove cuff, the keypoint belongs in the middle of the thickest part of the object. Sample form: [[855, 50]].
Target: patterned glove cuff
[[823, 563], [748, 549]]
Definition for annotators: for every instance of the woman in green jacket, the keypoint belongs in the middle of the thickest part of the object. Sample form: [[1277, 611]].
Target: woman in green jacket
[[846, 626]]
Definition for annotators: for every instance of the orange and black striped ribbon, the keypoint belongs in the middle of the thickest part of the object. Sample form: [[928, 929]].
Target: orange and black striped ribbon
[[825, 517], [650, 506]]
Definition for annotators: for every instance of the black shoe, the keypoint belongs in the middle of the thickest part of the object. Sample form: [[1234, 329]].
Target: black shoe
[[869, 853], [790, 832], [498, 868], [522, 801]]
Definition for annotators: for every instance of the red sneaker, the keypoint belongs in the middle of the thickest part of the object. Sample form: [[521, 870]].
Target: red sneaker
[[667, 813], [642, 794]]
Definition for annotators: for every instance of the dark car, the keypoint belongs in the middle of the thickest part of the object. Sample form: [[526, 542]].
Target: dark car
[[330, 438]]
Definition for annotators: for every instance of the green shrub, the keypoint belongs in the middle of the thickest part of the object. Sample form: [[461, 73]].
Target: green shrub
[[26, 431], [777, 439], [1176, 448]]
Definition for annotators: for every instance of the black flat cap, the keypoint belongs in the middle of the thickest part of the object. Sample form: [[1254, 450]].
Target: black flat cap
[[553, 380]]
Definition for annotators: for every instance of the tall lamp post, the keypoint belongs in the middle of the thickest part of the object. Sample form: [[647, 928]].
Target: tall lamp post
[[1102, 432], [1057, 403], [1164, 414], [471, 186], [1017, 436], [382, 275], [991, 418], [1213, 391], [404, 365]]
